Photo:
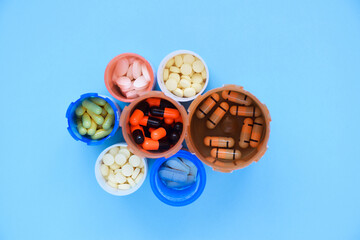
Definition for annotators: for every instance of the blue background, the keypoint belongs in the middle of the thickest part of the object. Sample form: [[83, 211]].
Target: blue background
[[301, 58]]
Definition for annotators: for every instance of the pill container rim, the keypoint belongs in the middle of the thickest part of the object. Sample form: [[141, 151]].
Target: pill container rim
[[264, 110], [117, 192], [160, 77], [89, 141], [108, 76], [201, 174]]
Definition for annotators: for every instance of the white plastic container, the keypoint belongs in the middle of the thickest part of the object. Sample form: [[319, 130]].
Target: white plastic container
[[160, 77], [102, 182]]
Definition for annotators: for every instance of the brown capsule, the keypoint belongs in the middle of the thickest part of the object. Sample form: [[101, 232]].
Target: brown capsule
[[225, 153], [206, 107], [226, 142], [256, 132], [246, 133], [217, 115], [251, 111], [236, 97]]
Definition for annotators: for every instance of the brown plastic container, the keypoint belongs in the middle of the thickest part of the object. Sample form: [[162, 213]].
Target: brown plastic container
[[196, 131], [135, 148]]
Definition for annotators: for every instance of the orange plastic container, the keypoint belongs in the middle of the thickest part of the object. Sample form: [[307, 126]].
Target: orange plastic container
[[137, 149], [196, 131], [112, 88]]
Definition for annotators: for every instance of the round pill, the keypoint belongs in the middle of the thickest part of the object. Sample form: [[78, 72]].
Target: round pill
[[171, 84], [127, 170], [135, 173], [112, 184], [104, 170], [203, 74], [113, 151], [197, 87], [111, 177], [189, 92], [186, 69], [178, 92], [114, 166], [134, 160], [185, 83], [120, 159], [131, 181], [175, 76], [170, 63], [166, 74], [139, 177], [174, 69], [178, 61], [196, 78], [126, 152], [108, 159], [188, 58], [124, 186], [119, 178], [186, 77], [198, 66]]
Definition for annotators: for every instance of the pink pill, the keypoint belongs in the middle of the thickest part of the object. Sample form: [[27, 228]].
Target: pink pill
[[123, 83], [129, 73], [140, 83], [132, 94], [136, 69], [122, 67], [145, 72]]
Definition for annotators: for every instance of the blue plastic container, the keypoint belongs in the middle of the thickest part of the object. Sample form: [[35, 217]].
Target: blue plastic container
[[71, 118], [176, 197]]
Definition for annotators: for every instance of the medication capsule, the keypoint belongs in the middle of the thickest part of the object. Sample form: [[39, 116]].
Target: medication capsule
[[256, 132], [168, 121], [153, 122], [158, 134], [225, 142], [251, 111], [98, 101], [137, 134], [109, 109], [139, 113], [217, 115], [173, 175], [206, 107], [104, 113], [146, 132], [86, 120], [173, 136], [79, 111], [236, 97], [108, 122], [91, 106], [164, 112], [91, 131], [246, 133], [150, 144], [178, 126], [80, 127], [224, 153], [101, 133], [159, 102], [97, 118]]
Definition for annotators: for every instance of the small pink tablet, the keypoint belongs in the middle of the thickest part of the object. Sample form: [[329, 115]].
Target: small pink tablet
[[123, 83], [145, 72], [132, 94], [140, 83], [129, 73], [136, 69], [122, 67]]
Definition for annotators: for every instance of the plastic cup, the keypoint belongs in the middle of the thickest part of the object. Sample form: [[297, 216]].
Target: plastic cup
[[160, 77], [113, 88], [102, 182], [176, 197], [197, 131], [72, 125]]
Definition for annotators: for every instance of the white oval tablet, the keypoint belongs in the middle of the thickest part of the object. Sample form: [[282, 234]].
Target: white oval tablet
[[124, 186], [189, 92], [166, 74], [120, 178], [178, 61], [175, 76], [170, 63], [131, 181], [188, 58], [178, 92], [135, 173], [104, 170]]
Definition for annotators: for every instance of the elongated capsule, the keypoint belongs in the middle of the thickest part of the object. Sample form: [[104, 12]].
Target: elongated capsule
[[236, 97], [150, 144], [159, 102], [79, 111], [225, 142], [158, 134], [251, 111], [164, 112], [104, 113], [246, 133], [109, 109], [91, 106], [101, 133], [168, 121], [139, 113], [91, 131], [225, 153], [98, 101], [138, 134], [217, 115], [108, 122], [256, 132], [152, 122], [97, 118], [80, 127], [206, 107], [86, 120]]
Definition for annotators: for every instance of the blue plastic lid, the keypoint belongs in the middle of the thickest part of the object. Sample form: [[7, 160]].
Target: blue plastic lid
[[71, 117], [178, 197]]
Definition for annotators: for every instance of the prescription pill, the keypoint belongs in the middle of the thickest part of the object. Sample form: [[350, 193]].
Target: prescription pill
[[246, 133], [169, 174], [185, 83], [145, 72], [124, 186], [91, 106], [104, 170], [178, 165], [166, 74], [129, 73], [158, 133], [112, 184], [188, 58], [236, 97], [141, 164], [139, 177], [208, 104], [134, 160], [119, 178], [138, 113], [164, 112], [135, 173], [256, 132], [203, 74], [168, 121], [113, 151], [136, 69], [170, 63], [174, 69], [198, 66], [178, 61], [191, 165], [224, 153], [186, 69], [196, 78], [108, 122], [178, 92], [150, 144], [125, 152], [197, 87], [91, 131], [217, 115], [131, 181], [225, 142], [80, 127], [171, 84], [104, 113], [120, 159], [101, 133], [109, 109], [108, 159], [86, 120], [114, 166], [250, 111], [121, 67], [175, 76], [111, 176], [189, 92], [79, 111], [98, 101], [127, 170], [97, 118]]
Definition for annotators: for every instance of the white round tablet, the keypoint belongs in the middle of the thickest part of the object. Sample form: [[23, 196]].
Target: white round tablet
[[120, 178], [108, 159], [189, 92], [171, 84], [186, 69], [198, 66], [127, 170], [124, 186], [104, 170], [120, 159], [134, 160], [126, 152]]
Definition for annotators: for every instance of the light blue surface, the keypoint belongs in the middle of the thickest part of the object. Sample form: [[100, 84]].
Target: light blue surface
[[301, 58]]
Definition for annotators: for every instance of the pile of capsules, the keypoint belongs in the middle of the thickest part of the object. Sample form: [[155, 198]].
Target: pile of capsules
[[131, 76], [95, 118], [251, 130], [156, 124], [121, 169], [178, 173], [184, 75]]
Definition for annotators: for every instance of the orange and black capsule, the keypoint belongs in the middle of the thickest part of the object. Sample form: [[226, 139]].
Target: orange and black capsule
[[159, 102], [158, 134], [137, 133], [153, 145], [168, 121], [225, 142], [217, 115], [225, 153], [164, 112], [246, 133], [236, 97], [206, 107], [139, 113], [256, 132], [153, 122], [251, 111]]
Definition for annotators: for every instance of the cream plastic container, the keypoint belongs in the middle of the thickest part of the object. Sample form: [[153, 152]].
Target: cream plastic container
[[102, 182], [160, 77]]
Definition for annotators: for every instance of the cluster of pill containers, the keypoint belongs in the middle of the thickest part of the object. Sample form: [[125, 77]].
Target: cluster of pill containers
[[226, 128]]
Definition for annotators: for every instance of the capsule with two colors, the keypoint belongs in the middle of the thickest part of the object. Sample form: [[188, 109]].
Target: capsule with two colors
[[236, 97], [206, 107], [153, 145], [137, 133], [139, 113], [164, 112], [226, 142], [217, 115], [246, 133], [251, 111], [256, 132], [150, 122], [225, 153], [159, 102]]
